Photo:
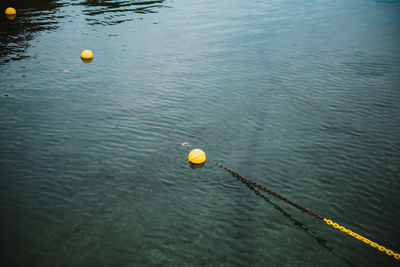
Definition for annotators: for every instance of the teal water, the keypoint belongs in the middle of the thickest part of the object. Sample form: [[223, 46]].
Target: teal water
[[302, 97]]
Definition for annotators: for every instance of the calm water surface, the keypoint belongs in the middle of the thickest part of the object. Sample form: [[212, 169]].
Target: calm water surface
[[302, 97]]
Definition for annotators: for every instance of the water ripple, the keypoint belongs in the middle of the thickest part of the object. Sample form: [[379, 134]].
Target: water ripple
[[115, 12]]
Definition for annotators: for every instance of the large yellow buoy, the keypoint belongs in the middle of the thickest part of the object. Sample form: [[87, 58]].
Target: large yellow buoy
[[197, 156], [87, 55], [10, 11]]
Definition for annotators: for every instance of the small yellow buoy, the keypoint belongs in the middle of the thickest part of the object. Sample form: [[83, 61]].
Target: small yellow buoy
[[87, 56], [197, 156], [10, 11]]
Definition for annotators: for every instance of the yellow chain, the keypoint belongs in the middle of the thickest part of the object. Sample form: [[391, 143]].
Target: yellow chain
[[363, 239]]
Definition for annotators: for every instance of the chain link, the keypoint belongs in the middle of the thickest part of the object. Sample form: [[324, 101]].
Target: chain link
[[363, 239], [316, 215]]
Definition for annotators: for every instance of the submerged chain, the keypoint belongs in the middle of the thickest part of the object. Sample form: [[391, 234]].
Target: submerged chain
[[263, 188]]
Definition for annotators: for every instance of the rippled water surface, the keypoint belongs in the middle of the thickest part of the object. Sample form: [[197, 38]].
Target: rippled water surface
[[302, 97]]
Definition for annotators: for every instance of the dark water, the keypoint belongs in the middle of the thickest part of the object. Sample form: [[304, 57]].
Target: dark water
[[300, 96]]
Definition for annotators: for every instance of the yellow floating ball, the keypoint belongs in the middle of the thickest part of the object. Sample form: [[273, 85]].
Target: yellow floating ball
[[87, 54], [10, 11], [197, 156]]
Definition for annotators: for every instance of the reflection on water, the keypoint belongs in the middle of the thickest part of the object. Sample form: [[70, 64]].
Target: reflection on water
[[45, 15], [32, 17], [103, 12]]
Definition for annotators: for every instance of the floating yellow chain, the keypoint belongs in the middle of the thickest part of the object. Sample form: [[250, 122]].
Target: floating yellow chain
[[363, 239]]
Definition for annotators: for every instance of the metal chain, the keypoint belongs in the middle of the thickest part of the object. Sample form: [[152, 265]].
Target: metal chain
[[363, 239], [263, 188], [329, 222]]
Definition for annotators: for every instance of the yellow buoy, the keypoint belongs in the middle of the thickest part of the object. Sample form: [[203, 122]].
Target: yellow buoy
[[87, 55], [197, 156], [10, 11]]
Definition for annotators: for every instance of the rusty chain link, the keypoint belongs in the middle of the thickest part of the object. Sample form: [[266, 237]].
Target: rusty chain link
[[263, 188]]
